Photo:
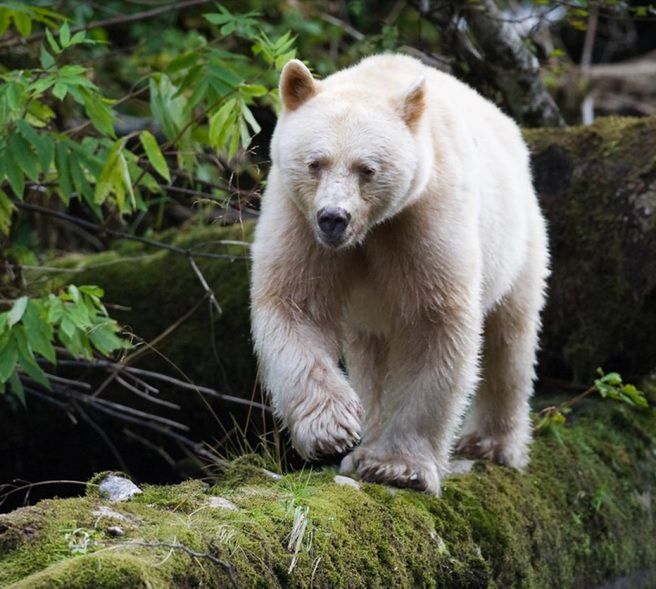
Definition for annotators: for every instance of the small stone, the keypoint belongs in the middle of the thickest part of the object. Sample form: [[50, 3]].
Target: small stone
[[461, 467], [272, 475], [104, 511], [346, 481], [115, 531], [117, 488], [221, 503], [441, 544]]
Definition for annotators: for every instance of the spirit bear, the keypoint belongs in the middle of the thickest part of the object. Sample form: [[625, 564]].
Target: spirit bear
[[400, 233]]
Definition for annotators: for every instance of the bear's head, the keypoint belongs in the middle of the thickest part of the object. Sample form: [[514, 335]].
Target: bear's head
[[348, 156]]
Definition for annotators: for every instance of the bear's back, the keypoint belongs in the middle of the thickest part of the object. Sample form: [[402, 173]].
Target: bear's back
[[390, 75]]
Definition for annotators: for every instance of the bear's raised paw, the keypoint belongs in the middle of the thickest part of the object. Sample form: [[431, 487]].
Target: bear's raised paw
[[329, 427]]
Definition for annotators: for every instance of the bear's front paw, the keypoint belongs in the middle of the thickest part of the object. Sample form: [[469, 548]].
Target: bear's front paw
[[328, 426], [507, 449], [394, 469]]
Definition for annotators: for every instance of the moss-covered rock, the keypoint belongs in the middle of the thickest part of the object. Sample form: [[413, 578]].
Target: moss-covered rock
[[581, 516], [597, 185]]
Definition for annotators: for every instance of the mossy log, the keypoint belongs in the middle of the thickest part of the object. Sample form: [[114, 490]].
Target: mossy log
[[597, 186], [581, 516]]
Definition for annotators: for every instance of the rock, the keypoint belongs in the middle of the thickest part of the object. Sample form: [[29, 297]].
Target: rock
[[221, 503], [346, 481], [115, 531], [116, 488], [461, 467]]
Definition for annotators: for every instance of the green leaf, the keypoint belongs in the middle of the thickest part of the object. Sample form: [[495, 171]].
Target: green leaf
[[51, 40], [91, 290], [17, 388], [127, 181], [8, 359], [23, 155], [80, 181], [43, 144], [79, 37], [39, 331], [101, 116], [16, 312], [23, 23], [47, 60], [60, 90], [26, 358], [14, 95], [65, 35], [154, 154], [62, 164], [105, 340], [110, 179], [220, 123], [252, 90], [15, 174], [182, 62], [250, 119], [6, 210]]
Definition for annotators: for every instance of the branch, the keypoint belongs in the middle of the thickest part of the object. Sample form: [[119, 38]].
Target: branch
[[193, 553], [512, 68], [110, 22], [112, 366], [114, 233], [516, 71]]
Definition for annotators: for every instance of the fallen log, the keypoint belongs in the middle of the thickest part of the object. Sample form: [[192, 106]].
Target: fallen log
[[581, 516]]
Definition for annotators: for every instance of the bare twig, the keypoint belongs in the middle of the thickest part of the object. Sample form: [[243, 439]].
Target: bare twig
[[193, 553], [7, 489], [107, 365], [206, 287], [145, 395]]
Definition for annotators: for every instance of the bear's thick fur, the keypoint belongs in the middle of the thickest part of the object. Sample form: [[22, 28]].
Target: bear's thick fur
[[400, 232]]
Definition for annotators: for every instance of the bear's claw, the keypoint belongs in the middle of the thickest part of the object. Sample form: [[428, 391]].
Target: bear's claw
[[502, 449], [392, 469], [332, 427]]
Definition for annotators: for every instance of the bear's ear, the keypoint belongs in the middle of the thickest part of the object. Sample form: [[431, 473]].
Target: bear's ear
[[413, 103], [296, 84]]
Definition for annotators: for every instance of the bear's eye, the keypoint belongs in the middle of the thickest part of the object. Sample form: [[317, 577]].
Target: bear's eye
[[314, 166], [366, 172]]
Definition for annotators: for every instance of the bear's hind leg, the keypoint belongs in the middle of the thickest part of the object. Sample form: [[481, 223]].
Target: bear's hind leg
[[498, 426]]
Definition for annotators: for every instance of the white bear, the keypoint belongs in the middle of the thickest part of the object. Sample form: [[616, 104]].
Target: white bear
[[401, 233]]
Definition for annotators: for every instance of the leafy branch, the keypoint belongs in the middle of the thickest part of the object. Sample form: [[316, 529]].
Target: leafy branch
[[608, 386]]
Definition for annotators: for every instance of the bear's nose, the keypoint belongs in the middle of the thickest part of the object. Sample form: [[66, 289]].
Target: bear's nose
[[333, 222]]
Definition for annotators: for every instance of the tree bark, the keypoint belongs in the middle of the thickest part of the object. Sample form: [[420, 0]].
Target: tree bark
[[505, 60]]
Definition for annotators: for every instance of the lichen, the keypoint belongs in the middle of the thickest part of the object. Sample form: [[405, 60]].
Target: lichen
[[581, 515]]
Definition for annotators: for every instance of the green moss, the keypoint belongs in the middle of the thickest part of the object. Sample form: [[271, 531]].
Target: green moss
[[154, 288], [580, 516], [596, 186]]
